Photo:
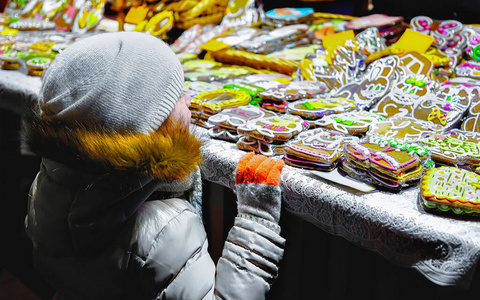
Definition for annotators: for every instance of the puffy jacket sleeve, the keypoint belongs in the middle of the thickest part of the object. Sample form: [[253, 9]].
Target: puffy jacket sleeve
[[176, 264], [254, 248]]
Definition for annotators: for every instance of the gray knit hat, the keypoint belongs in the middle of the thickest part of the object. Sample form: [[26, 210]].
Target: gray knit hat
[[120, 80]]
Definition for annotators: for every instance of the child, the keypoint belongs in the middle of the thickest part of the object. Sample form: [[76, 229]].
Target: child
[[112, 210]]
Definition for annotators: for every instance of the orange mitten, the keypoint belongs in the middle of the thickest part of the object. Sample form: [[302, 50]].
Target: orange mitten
[[256, 168], [258, 193]]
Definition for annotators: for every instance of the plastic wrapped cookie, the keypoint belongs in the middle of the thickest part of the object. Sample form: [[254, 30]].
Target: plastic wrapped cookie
[[295, 90], [312, 109], [387, 164], [216, 100], [446, 107], [472, 120], [276, 128], [457, 148], [353, 123], [472, 34], [317, 149], [470, 68], [335, 68], [452, 191], [224, 124], [376, 83], [288, 15], [404, 96], [273, 148], [403, 129]]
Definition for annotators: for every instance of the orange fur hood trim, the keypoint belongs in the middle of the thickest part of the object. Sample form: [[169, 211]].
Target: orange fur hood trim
[[170, 153]]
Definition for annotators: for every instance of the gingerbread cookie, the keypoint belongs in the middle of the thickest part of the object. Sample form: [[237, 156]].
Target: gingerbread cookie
[[316, 108], [472, 121], [451, 190], [194, 88], [375, 84], [386, 165], [228, 120], [370, 40], [404, 96], [317, 149], [469, 68], [272, 148], [353, 123], [276, 128], [446, 107], [288, 15], [403, 129], [374, 20], [212, 102], [455, 148], [335, 68], [274, 106], [447, 33], [472, 49], [294, 90]]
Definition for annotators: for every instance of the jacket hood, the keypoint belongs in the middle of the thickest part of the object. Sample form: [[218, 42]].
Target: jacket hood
[[171, 153]]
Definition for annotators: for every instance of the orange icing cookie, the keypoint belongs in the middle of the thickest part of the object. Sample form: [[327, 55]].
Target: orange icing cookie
[[450, 189]]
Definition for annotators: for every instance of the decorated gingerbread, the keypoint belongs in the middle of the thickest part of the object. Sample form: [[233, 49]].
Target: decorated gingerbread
[[446, 107], [317, 149], [452, 191]]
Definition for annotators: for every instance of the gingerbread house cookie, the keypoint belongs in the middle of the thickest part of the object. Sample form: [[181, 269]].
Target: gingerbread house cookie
[[317, 149], [452, 191], [385, 163]]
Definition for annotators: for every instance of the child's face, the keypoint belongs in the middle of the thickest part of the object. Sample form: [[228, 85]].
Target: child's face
[[181, 110]]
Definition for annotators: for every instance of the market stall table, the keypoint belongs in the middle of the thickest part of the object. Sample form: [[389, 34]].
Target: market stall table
[[445, 250]]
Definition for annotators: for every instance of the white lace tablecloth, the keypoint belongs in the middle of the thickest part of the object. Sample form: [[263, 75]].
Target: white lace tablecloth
[[444, 250]]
